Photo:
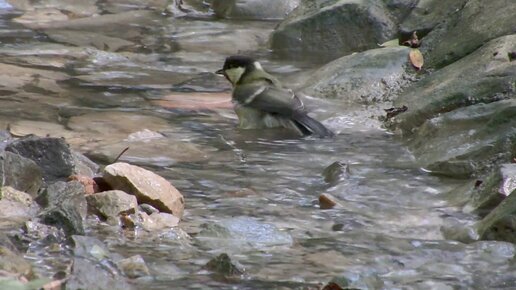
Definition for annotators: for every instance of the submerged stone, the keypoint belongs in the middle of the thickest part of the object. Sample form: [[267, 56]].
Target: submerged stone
[[134, 267], [254, 9], [110, 204], [241, 234], [223, 265]]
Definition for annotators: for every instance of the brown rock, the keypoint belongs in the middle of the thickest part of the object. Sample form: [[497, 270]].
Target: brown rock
[[147, 186], [326, 201]]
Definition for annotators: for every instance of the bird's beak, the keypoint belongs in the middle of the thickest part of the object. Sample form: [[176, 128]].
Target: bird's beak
[[220, 72]]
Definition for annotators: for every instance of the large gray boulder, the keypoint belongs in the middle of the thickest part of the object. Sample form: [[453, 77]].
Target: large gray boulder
[[253, 9], [475, 24], [325, 30], [485, 76], [427, 14], [368, 77], [20, 173]]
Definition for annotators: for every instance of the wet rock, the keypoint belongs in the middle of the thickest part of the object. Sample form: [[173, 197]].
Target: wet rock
[[118, 6], [94, 267], [254, 9], [495, 187], [160, 152], [133, 267], [65, 206], [339, 25], [9, 193], [428, 14], [401, 9], [78, 8], [146, 186], [476, 149], [233, 41], [471, 28], [242, 234], [196, 101], [43, 15], [20, 173], [484, 76], [13, 214], [368, 77], [115, 124], [158, 221], [336, 172], [88, 39], [110, 204], [52, 155], [500, 223], [147, 208], [13, 262], [223, 265], [350, 280], [23, 128], [15, 78], [44, 55]]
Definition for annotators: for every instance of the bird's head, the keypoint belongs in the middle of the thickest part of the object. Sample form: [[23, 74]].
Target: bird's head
[[236, 66]]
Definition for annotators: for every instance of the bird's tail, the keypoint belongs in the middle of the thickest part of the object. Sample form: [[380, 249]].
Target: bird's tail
[[311, 126]]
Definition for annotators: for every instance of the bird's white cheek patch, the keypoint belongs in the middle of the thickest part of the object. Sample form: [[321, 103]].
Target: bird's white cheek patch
[[235, 74]]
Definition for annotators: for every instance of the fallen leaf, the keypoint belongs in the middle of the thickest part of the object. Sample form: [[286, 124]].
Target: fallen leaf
[[416, 58], [413, 42], [326, 202]]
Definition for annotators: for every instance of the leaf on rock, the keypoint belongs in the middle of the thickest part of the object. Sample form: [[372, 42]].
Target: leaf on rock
[[413, 42], [390, 43], [416, 58]]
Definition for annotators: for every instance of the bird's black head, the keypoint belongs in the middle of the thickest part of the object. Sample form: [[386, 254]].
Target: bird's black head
[[236, 61]]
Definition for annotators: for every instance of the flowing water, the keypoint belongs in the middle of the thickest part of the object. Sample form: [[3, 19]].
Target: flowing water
[[385, 234]]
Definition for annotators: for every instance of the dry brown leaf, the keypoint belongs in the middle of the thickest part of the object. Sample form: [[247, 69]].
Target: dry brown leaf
[[326, 202], [416, 58]]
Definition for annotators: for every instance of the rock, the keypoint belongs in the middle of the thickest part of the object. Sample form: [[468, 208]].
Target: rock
[[231, 41], [133, 267], [14, 262], [115, 124], [332, 29], [43, 15], [476, 149], [158, 221], [240, 234], [254, 9], [13, 214], [78, 8], [52, 155], [427, 14], [336, 172], [146, 186], [160, 152], [368, 77], [23, 128], [9, 193], [223, 265], [65, 206], [20, 173], [94, 267], [500, 223], [110, 204], [88, 39], [15, 78], [118, 6], [498, 185], [44, 55], [196, 101], [472, 27], [401, 9], [147, 208]]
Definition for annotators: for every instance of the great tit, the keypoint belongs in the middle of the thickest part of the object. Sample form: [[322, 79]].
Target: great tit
[[260, 101]]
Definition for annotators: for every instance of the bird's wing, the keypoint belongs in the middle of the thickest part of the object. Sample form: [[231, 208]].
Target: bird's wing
[[269, 99]]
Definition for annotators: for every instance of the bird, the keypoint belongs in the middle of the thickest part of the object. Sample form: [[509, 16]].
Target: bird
[[261, 101]]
